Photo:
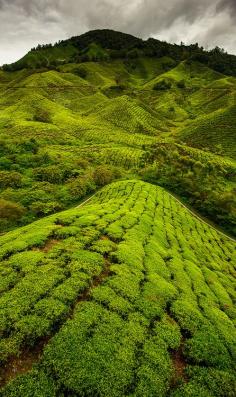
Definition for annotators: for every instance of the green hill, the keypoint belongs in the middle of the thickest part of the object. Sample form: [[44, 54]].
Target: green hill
[[107, 44], [194, 74], [128, 295], [129, 115], [217, 129], [91, 112], [109, 285]]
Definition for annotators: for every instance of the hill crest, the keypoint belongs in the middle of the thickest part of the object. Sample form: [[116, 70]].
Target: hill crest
[[112, 44]]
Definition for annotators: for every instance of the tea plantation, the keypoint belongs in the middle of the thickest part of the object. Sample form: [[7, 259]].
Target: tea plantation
[[71, 119], [58, 137], [118, 220], [128, 295]]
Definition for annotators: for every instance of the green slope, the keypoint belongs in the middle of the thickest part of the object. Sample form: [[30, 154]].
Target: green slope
[[212, 130], [194, 75], [105, 44], [69, 121], [129, 115], [128, 295], [204, 180]]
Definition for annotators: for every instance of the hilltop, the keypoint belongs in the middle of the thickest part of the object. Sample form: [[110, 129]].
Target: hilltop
[[108, 44]]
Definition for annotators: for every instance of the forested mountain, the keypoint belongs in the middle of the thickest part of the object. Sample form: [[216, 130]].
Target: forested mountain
[[108, 44]]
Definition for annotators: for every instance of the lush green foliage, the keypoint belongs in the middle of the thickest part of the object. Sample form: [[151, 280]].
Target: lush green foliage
[[169, 289], [128, 294], [107, 44], [204, 180], [71, 123]]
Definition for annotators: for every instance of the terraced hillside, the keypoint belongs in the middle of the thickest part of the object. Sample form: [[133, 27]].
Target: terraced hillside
[[79, 125], [128, 295], [203, 180], [119, 290], [208, 129]]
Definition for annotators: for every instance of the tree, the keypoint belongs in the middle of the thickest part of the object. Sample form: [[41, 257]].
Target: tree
[[79, 187], [102, 175], [10, 179], [31, 146], [181, 84], [81, 72], [52, 174], [45, 208], [5, 163], [10, 210], [162, 85], [134, 53]]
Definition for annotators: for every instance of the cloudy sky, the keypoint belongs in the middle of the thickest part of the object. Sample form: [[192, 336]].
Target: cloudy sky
[[26, 23]]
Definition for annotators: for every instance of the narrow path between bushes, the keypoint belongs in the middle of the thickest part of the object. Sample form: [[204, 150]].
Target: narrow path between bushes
[[199, 217], [86, 201], [192, 212]]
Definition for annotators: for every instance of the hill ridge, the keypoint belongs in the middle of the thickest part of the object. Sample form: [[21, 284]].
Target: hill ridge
[[163, 280], [120, 45]]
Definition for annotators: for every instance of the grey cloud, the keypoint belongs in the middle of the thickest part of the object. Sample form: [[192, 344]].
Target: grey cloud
[[146, 16], [221, 33], [25, 23], [227, 5]]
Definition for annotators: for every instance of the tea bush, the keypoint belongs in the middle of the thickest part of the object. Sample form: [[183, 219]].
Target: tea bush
[[138, 300]]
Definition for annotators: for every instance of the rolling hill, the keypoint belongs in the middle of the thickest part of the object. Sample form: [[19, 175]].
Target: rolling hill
[[206, 131], [108, 111], [109, 284], [105, 44], [134, 295]]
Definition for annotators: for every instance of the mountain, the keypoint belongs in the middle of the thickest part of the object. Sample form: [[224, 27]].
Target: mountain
[[108, 44], [118, 220]]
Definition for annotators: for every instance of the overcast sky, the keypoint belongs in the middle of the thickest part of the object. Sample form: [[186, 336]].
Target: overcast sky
[[26, 23]]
